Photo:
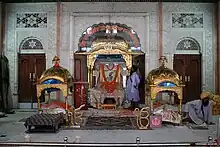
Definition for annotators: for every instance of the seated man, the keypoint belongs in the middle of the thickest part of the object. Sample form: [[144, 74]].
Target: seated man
[[200, 111]]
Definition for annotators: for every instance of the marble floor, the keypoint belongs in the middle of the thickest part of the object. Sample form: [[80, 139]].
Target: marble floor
[[13, 130]]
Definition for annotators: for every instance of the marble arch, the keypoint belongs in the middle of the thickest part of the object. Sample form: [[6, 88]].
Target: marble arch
[[97, 30]]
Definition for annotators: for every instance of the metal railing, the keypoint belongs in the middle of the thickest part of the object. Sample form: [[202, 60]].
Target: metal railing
[[210, 142], [44, 144]]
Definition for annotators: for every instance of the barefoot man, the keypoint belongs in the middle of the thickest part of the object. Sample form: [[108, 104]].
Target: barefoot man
[[200, 111]]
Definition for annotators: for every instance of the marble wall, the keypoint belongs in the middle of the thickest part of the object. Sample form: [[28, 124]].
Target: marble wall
[[142, 17], [15, 34], [202, 32]]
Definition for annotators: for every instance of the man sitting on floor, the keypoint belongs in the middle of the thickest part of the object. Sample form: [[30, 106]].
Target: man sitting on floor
[[200, 111]]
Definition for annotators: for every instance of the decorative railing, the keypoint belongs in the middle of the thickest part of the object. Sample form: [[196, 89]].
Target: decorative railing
[[210, 142], [41, 144]]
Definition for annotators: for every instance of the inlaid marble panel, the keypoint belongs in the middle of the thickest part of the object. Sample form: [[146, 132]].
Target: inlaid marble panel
[[106, 7], [25, 20], [31, 43], [187, 20], [196, 21], [65, 39], [37, 39], [73, 26], [81, 23], [188, 43], [31, 7], [31, 20], [131, 21]]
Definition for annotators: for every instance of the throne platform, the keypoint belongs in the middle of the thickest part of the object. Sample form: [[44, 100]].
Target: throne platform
[[109, 78]]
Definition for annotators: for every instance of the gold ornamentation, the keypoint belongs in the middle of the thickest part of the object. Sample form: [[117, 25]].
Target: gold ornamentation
[[163, 73], [160, 75], [108, 46], [44, 78], [92, 57], [77, 115], [163, 60], [143, 116], [56, 60], [114, 44], [62, 87], [58, 73]]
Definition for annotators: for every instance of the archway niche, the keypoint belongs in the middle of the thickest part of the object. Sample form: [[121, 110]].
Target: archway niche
[[31, 43], [188, 44], [106, 30]]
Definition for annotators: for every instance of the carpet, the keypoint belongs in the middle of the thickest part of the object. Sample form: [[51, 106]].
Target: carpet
[[108, 123]]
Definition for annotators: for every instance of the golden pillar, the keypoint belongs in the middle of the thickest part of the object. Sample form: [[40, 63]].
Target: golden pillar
[[90, 76], [38, 104]]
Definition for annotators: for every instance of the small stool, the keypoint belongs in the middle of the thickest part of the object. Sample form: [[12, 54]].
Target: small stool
[[108, 106]]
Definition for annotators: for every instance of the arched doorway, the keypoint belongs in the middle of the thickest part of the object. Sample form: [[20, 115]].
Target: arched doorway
[[106, 39], [187, 63], [31, 64]]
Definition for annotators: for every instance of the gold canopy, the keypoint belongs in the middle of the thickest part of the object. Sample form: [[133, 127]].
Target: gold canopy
[[110, 44], [56, 72], [161, 75], [158, 75]]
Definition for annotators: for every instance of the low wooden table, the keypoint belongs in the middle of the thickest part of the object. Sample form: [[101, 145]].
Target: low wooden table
[[44, 122]]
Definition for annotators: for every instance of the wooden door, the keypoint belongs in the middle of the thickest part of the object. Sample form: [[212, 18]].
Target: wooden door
[[30, 66], [39, 62], [80, 68], [189, 69], [80, 80], [140, 62]]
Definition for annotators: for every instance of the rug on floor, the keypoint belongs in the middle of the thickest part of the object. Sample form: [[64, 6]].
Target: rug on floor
[[108, 123]]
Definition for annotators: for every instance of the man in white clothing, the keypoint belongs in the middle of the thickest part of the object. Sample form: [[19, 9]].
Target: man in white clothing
[[200, 111]]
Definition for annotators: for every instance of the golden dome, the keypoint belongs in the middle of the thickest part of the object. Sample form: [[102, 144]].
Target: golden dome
[[56, 73], [162, 74]]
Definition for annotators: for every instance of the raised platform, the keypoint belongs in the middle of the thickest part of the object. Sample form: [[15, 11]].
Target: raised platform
[[14, 130], [106, 119], [108, 113]]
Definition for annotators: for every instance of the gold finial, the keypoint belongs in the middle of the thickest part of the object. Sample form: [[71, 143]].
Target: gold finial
[[163, 61], [56, 60]]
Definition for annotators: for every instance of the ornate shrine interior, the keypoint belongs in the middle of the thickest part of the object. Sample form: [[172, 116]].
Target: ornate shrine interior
[[109, 80], [109, 70], [109, 62]]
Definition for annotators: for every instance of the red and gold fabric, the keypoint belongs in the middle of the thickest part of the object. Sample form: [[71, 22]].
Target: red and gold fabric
[[109, 86]]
